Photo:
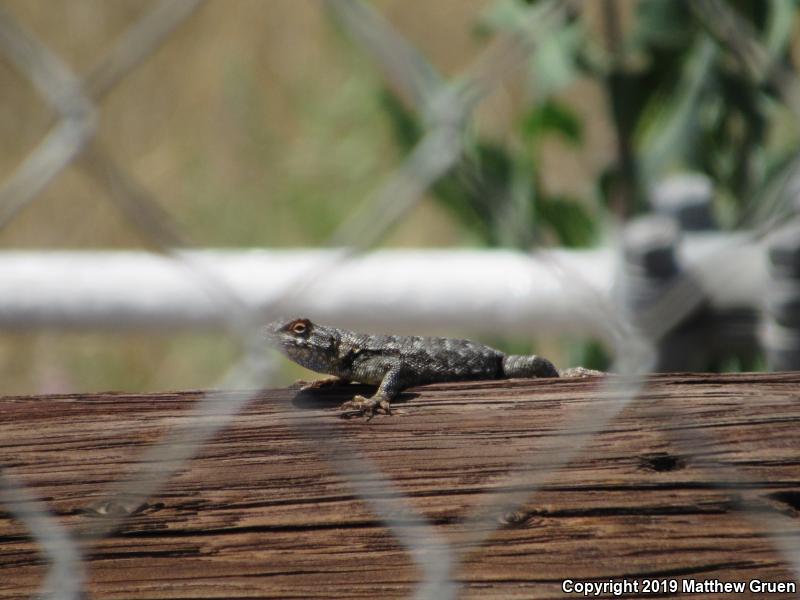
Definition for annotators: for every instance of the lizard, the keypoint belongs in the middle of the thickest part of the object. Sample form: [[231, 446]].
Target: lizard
[[395, 362]]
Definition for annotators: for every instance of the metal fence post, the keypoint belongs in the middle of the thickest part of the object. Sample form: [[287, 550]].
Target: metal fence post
[[781, 327], [687, 198], [651, 268]]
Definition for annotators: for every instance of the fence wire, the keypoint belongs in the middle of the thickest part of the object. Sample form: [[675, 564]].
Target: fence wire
[[446, 106]]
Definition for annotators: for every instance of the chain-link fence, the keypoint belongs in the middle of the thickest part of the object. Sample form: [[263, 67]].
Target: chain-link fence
[[638, 329]]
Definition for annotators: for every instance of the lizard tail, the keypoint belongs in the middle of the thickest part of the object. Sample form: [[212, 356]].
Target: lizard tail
[[528, 366]]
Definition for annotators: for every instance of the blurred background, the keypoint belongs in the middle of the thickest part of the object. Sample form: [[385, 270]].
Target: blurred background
[[256, 124]]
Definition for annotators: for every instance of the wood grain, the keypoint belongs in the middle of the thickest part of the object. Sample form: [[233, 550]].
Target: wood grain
[[678, 486]]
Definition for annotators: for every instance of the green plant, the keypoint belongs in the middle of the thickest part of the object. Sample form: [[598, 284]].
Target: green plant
[[703, 86], [679, 98]]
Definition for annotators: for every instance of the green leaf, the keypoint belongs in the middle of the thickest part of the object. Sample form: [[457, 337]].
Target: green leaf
[[669, 125], [505, 15], [662, 23], [780, 23], [406, 126], [553, 117], [570, 220], [555, 60]]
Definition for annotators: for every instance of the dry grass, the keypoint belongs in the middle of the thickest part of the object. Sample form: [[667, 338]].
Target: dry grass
[[256, 124]]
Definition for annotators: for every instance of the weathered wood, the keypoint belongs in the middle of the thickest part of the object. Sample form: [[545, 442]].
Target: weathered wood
[[260, 514]]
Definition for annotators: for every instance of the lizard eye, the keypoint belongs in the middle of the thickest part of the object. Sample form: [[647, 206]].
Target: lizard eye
[[299, 328]]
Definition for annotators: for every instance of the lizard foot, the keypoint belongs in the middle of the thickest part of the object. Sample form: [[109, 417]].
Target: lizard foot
[[580, 372], [365, 407], [319, 383]]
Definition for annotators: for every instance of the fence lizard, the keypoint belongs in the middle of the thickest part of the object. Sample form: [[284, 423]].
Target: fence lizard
[[394, 362]]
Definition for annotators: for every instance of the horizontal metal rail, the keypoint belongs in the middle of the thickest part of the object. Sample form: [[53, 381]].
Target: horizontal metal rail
[[407, 290]]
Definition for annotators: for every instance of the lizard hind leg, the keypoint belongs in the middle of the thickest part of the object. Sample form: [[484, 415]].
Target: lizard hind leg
[[528, 366]]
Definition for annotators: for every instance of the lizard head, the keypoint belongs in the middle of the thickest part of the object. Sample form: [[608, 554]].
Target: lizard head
[[312, 346]]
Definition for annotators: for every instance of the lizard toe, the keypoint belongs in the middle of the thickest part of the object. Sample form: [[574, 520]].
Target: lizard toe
[[300, 384], [354, 408], [318, 384], [579, 372], [365, 407]]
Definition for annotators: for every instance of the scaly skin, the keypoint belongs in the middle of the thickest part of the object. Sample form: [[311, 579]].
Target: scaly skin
[[394, 362]]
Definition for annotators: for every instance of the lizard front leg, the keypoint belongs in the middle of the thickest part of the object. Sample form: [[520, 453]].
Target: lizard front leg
[[390, 386], [317, 384]]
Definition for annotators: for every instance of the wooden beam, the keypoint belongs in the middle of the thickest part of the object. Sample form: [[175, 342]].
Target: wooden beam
[[261, 514]]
